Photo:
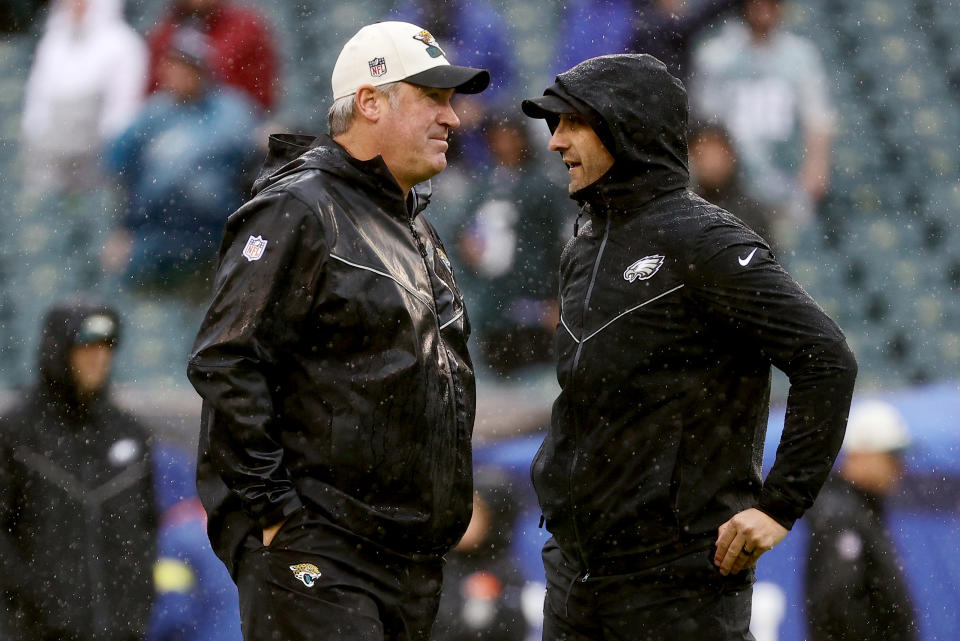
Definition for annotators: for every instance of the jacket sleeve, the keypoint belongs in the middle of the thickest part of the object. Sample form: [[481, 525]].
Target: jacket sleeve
[[259, 304], [742, 287]]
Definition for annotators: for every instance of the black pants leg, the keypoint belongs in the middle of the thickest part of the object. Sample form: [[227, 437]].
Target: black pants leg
[[684, 600]]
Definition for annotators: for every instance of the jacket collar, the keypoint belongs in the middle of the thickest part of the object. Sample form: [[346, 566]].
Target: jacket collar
[[291, 153]]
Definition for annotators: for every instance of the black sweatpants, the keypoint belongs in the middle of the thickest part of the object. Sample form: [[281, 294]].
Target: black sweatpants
[[319, 582], [684, 600]]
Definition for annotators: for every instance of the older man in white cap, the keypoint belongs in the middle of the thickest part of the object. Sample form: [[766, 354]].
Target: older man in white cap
[[335, 460], [855, 588]]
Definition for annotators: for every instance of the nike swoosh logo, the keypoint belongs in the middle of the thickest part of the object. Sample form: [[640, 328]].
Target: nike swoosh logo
[[746, 261]]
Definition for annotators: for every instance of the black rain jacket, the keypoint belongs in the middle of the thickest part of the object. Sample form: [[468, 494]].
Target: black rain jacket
[[672, 313], [855, 586], [78, 522], [333, 360]]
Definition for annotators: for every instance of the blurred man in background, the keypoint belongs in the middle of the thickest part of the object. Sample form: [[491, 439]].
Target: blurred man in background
[[85, 86], [717, 176], [768, 87], [510, 246], [241, 53], [77, 515], [855, 586], [182, 162], [482, 583]]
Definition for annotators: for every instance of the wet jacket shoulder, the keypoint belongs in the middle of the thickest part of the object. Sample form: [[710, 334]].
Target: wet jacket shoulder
[[332, 360], [672, 313]]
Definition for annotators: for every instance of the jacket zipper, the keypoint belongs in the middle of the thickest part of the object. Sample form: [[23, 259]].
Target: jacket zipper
[[457, 393], [576, 430]]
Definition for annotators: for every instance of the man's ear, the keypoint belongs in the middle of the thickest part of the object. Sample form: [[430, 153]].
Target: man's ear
[[368, 103]]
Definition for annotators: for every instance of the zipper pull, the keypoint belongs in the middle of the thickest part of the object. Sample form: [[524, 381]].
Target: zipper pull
[[576, 223], [586, 575]]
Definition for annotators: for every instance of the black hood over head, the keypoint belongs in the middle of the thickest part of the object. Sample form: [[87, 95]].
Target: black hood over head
[[65, 326], [639, 112]]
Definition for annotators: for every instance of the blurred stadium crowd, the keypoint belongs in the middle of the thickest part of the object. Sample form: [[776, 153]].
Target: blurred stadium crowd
[[875, 242], [129, 132]]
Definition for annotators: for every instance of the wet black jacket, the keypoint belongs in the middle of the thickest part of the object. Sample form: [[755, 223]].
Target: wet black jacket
[[855, 587], [672, 313], [77, 517], [333, 363]]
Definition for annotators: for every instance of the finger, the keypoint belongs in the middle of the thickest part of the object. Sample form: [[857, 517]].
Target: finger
[[726, 535], [745, 559], [733, 551]]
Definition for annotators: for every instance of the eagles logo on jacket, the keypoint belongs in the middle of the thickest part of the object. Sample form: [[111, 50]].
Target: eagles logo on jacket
[[333, 362], [672, 313]]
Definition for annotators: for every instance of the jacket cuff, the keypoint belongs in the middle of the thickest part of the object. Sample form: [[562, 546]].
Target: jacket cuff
[[778, 508]]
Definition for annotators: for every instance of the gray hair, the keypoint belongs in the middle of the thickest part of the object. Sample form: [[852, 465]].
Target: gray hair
[[344, 110]]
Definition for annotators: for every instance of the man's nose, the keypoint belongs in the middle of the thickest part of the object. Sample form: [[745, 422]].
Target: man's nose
[[448, 117], [558, 142]]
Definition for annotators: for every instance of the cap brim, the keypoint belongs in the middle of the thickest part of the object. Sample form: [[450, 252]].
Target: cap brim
[[547, 106], [461, 79]]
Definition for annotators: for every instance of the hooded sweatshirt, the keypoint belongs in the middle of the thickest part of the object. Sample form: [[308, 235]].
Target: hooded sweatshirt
[[77, 520], [672, 313], [85, 86]]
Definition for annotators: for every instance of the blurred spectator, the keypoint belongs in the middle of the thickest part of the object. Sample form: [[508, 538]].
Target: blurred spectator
[[855, 585], [85, 86], [665, 28], [662, 28], [716, 176], [591, 28], [510, 248], [477, 35], [241, 53], [196, 599], [482, 583], [182, 162], [77, 517], [768, 87]]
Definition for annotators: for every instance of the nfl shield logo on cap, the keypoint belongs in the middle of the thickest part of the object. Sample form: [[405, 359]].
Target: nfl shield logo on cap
[[378, 67], [254, 248]]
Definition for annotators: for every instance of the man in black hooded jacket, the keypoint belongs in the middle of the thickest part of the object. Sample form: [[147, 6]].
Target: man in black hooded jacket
[[672, 313], [77, 518], [335, 457]]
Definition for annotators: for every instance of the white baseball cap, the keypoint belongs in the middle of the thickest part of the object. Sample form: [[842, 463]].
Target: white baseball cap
[[875, 426], [386, 52]]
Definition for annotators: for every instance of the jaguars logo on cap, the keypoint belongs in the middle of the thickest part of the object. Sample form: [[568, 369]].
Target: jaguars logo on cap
[[432, 47]]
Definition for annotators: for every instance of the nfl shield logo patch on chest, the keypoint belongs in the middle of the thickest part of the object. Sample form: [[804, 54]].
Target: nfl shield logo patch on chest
[[254, 248]]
